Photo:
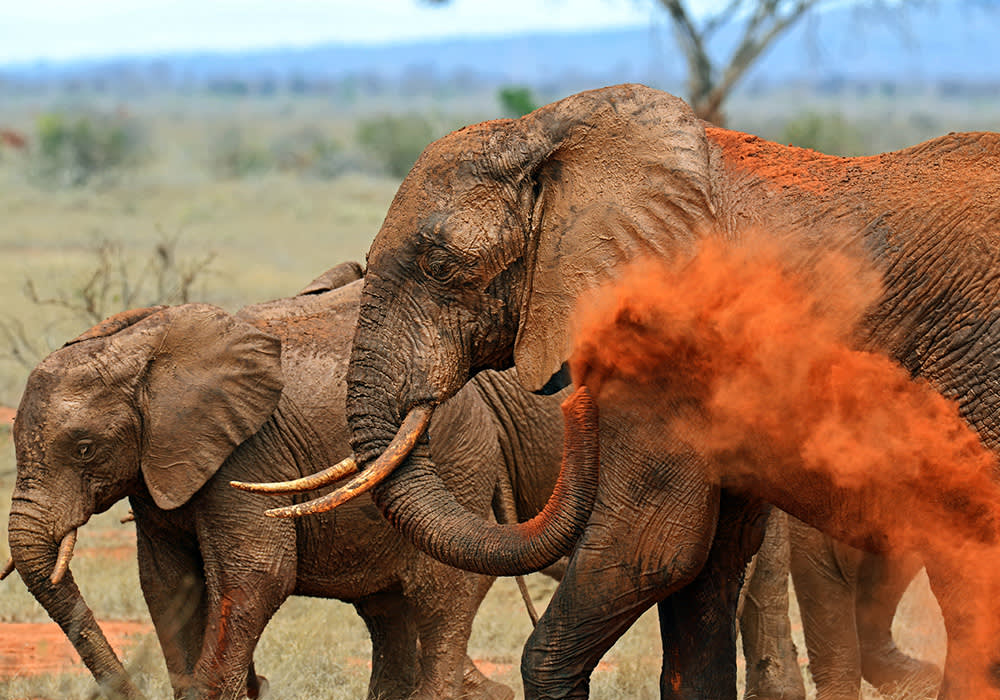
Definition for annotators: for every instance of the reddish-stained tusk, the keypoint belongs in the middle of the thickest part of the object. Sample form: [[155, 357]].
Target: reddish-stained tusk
[[347, 467], [128, 518], [65, 554], [409, 432], [8, 569]]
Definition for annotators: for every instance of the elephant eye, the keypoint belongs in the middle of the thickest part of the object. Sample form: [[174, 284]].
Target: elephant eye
[[438, 265], [85, 450]]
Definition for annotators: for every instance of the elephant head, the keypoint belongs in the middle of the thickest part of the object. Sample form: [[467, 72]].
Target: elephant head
[[483, 252], [149, 403]]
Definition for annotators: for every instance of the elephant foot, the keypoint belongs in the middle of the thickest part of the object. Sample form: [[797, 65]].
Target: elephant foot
[[771, 679], [258, 688], [476, 686], [890, 669]]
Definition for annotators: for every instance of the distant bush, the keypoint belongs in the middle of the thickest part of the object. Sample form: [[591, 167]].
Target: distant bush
[[72, 151], [232, 155], [306, 151], [516, 100], [396, 141], [309, 151], [827, 133]]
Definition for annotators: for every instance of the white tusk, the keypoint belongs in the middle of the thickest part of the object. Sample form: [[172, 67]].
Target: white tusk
[[338, 471], [409, 432], [65, 554]]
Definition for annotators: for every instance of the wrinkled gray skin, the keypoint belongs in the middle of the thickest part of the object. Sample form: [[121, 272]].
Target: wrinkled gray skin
[[848, 599], [165, 407], [498, 229]]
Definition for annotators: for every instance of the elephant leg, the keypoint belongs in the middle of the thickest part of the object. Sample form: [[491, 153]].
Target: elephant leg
[[644, 540], [825, 578], [476, 685], [970, 606], [444, 622], [246, 585], [882, 581], [257, 686], [174, 589], [771, 658], [393, 629], [698, 622]]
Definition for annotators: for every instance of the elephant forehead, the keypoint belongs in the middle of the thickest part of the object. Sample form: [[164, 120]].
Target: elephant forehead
[[455, 173], [68, 382], [470, 224], [50, 396]]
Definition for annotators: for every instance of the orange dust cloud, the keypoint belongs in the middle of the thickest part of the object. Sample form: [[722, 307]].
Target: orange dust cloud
[[746, 354]]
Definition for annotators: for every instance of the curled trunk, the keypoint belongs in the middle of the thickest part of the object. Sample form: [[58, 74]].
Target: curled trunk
[[35, 555], [418, 503]]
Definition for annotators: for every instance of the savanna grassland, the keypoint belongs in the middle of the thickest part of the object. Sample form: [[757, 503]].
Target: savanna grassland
[[234, 200]]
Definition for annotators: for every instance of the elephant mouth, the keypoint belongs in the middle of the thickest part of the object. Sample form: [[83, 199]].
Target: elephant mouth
[[64, 554], [63, 557], [410, 430]]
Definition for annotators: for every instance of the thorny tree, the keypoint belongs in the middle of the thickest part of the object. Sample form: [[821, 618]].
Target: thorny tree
[[710, 81], [115, 281]]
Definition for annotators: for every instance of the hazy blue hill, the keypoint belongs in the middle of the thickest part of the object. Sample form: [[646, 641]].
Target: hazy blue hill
[[937, 42]]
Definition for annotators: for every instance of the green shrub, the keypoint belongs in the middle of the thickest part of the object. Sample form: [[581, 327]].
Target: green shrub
[[827, 133], [308, 151], [305, 151], [516, 100], [396, 141], [72, 151], [233, 155]]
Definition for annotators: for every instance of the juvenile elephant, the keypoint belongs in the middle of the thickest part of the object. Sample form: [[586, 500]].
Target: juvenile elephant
[[164, 406], [490, 240]]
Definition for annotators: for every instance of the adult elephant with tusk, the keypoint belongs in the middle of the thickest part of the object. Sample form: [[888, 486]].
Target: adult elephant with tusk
[[500, 226], [165, 406]]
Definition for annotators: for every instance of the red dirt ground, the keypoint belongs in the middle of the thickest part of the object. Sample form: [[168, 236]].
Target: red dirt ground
[[33, 648]]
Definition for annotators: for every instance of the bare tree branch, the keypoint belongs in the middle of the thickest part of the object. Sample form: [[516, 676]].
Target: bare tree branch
[[724, 16], [117, 281], [763, 21], [751, 47]]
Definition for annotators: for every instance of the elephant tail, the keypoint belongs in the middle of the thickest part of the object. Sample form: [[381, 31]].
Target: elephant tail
[[506, 514]]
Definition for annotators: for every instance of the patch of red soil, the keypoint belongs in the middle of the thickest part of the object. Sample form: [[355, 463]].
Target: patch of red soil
[[35, 648], [123, 553], [109, 545]]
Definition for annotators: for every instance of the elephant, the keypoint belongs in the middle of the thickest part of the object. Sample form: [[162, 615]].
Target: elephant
[[847, 599], [165, 405], [831, 579], [483, 253]]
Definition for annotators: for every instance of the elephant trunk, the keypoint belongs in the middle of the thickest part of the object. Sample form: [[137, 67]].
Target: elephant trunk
[[419, 504], [35, 555]]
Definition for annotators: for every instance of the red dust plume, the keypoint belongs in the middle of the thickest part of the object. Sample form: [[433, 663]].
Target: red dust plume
[[746, 352]]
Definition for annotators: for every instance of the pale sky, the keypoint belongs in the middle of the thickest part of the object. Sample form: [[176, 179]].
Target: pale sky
[[62, 29]]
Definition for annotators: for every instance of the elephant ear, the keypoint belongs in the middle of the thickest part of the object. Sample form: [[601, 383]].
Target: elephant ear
[[211, 382], [618, 174], [334, 278]]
